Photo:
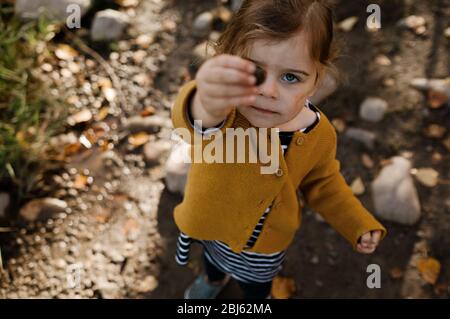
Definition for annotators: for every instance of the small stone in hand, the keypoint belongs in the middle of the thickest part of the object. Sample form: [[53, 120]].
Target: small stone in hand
[[260, 75]]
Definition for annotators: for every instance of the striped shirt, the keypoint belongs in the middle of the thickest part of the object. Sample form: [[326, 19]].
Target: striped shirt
[[245, 266]]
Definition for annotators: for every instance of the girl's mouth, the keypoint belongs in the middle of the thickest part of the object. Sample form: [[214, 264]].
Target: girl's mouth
[[262, 110]]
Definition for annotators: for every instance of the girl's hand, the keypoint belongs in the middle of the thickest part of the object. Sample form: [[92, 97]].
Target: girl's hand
[[224, 82], [368, 242]]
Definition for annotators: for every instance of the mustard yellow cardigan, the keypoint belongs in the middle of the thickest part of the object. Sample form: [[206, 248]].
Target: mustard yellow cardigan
[[224, 201]]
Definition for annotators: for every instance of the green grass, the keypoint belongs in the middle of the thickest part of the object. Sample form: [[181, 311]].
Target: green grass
[[29, 115]]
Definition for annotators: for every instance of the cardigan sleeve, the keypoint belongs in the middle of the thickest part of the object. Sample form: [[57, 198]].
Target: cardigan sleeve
[[180, 115], [327, 193]]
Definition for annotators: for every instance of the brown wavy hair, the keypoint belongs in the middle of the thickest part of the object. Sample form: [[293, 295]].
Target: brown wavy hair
[[278, 20]]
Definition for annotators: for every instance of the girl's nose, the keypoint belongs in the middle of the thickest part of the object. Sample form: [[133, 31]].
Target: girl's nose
[[269, 88]]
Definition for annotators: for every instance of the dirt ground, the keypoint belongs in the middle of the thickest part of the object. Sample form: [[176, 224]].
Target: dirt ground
[[321, 262]]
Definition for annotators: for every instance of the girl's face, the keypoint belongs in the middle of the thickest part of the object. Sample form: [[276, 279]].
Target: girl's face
[[290, 80]]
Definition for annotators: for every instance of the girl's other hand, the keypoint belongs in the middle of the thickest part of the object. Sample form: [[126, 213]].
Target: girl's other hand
[[368, 242]]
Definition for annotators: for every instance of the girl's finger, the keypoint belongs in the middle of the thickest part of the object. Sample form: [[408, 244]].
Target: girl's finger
[[221, 75], [227, 91], [235, 62], [376, 235], [366, 238]]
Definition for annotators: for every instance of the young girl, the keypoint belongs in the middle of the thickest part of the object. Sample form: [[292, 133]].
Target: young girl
[[245, 220]]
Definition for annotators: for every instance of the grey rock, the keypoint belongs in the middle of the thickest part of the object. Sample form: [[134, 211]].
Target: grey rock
[[373, 109], [177, 167], [202, 24], [394, 194], [56, 9], [363, 136], [153, 151], [41, 209], [108, 25]]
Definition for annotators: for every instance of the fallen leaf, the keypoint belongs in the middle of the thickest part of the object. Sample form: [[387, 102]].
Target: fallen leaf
[[396, 273], [130, 225], [149, 110], [357, 186], [128, 3], [148, 284], [102, 113], [169, 25], [104, 83], [138, 139], [338, 124], [436, 99], [383, 60], [82, 116], [426, 176], [348, 24], [109, 94], [446, 143], [144, 40], [80, 181], [283, 287], [65, 52], [367, 161], [435, 131], [429, 268], [72, 149]]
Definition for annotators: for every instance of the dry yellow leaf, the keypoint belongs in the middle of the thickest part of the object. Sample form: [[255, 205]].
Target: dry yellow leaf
[[72, 149], [102, 113], [348, 24], [138, 139], [283, 287], [429, 268], [357, 186], [367, 161], [83, 116], [426, 176], [149, 110], [80, 181], [435, 131], [339, 124], [65, 52], [436, 99]]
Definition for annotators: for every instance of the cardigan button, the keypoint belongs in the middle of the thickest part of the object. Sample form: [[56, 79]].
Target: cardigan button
[[279, 172], [300, 140]]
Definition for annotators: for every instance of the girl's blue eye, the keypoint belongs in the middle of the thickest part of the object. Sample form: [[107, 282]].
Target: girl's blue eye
[[290, 78]]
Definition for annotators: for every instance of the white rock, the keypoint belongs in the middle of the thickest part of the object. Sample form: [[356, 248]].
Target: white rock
[[154, 150], [4, 203], [56, 9], [108, 25], [363, 136], [441, 85], [373, 109], [177, 167], [203, 24], [394, 194], [42, 208]]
